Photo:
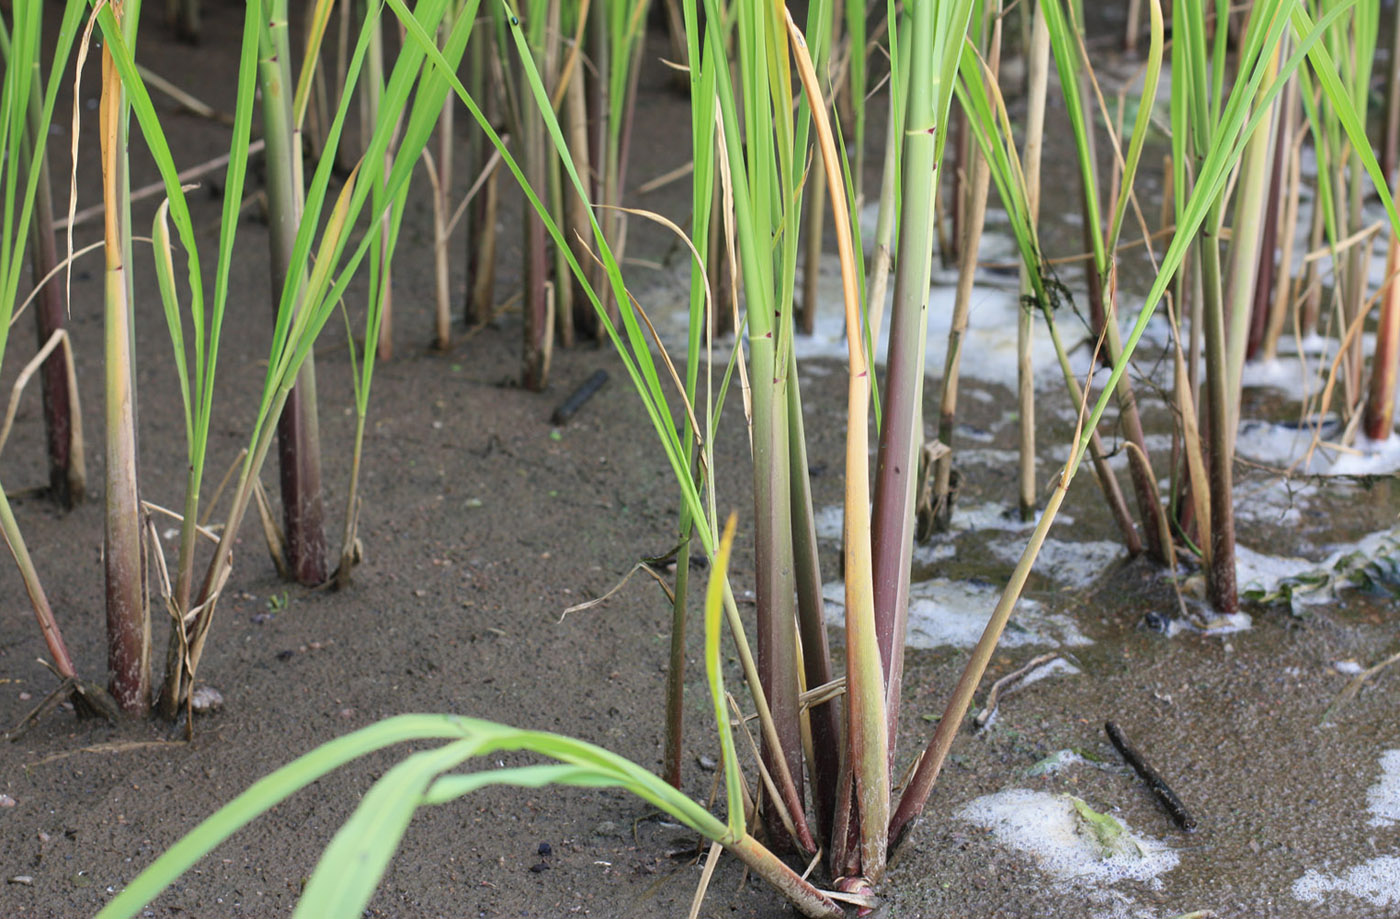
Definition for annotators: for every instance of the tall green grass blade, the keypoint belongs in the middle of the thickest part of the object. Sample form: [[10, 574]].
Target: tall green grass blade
[[449, 788], [265, 794], [714, 672], [353, 864]]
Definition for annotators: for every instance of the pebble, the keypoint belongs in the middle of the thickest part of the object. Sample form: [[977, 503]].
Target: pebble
[[25, 879], [7, 801], [206, 700]]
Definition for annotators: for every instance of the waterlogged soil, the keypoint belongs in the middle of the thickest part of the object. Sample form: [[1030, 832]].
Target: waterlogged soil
[[482, 522]]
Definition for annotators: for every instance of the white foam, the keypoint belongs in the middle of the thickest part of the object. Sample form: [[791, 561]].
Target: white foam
[[967, 518], [987, 456], [990, 515], [1376, 881], [930, 553], [1371, 457], [1048, 829], [1291, 445], [1158, 445], [1383, 798], [1071, 564], [990, 339], [1274, 500], [828, 521], [1290, 375], [944, 613], [1257, 571]]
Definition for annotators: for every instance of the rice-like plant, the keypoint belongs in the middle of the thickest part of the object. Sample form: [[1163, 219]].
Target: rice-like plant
[[754, 126], [28, 100]]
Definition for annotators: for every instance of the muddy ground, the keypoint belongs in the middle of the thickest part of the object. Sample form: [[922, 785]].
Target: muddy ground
[[482, 522]]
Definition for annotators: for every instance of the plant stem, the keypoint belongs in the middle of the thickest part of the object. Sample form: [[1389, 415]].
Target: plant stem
[[815, 225], [184, 16], [777, 635], [534, 372], [920, 786], [298, 430], [67, 463], [901, 434], [825, 719], [128, 621], [975, 214], [1268, 245], [1282, 303], [442, 205], [576, 208], [675, 669], [1220, 579], [1038, 71], [43, 613], [808, 900], [1380, 403], [1246, 251], [372, 87], [480, 233]]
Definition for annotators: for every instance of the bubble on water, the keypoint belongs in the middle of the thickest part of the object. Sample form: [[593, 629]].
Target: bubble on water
[[1048, 829], [1376, 881], [1383, 798]]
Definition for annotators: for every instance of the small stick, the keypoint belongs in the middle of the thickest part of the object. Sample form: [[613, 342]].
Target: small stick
[[569, 406], [187, 101], [1155, 783], [989, 707], [1354, 686], [154, 188]]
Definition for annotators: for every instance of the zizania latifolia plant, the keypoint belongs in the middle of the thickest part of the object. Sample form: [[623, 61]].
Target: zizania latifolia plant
[[315, 255], [760, 122]]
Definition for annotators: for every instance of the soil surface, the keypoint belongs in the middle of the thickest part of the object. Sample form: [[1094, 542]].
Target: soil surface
[[482, 522]]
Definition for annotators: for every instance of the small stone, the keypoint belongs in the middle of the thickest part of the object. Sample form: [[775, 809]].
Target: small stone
[[25, 697], [607, 828], [206, 700], [7, 801], [24, 879], [545, 849], [707, 762], [538, 867]]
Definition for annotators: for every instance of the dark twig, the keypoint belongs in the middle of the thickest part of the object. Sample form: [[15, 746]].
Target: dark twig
[[88, 699], [569, 406], [1155, 783]]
